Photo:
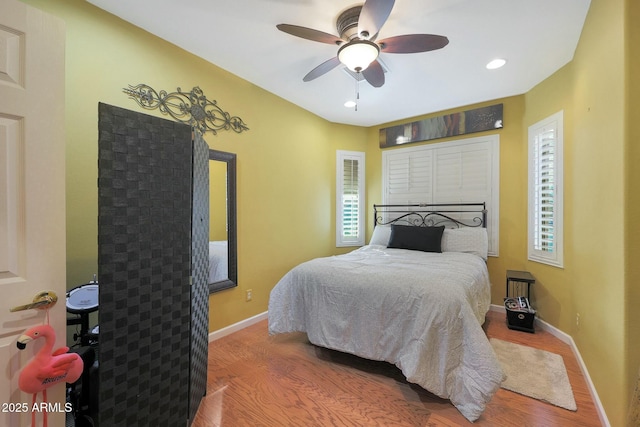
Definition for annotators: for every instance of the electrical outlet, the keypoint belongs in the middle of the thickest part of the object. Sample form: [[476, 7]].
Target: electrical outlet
[[249, 295]]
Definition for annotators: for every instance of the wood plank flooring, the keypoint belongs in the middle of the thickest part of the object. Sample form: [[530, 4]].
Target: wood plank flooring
[[256, 380]]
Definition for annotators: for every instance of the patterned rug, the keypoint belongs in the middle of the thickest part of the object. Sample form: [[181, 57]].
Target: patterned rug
[[535, 373]]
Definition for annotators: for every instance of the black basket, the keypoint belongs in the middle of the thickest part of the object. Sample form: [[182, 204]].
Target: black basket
[[520, 319]]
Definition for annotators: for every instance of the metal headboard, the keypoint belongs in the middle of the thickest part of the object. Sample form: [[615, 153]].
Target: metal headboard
[[433, 214]]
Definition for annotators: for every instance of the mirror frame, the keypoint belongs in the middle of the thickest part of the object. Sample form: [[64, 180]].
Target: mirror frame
[[232, 252]]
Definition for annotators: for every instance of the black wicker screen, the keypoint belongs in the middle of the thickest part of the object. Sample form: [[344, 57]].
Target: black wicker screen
[[144, 267], [200, 287]]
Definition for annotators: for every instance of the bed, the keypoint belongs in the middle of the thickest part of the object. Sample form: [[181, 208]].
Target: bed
[[218, 264], [418, 305]]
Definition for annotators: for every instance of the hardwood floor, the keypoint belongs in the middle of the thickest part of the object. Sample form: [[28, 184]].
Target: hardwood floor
[[283, 380]]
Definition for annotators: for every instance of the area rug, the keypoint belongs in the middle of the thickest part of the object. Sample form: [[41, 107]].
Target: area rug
[[535, 373]]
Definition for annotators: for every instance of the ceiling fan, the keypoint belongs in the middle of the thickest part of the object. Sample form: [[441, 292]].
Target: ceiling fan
[[358, 49]]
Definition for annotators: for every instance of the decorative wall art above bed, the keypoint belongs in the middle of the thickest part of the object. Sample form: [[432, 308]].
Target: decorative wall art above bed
[[420, 308], [470, 121]]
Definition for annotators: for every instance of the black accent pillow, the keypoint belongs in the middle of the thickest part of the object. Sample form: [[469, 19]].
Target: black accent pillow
[[426, 239]]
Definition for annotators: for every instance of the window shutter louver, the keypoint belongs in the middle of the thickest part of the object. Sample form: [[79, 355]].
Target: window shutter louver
[[350, 209], [409, 178], [349, 198], [448, 174], [545, 191]]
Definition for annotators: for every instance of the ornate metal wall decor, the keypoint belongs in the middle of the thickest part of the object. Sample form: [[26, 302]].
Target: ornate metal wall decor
[[187, 107], [470, 121]]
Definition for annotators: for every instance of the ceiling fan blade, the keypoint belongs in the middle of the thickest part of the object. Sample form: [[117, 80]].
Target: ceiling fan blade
[[321, 69], [413, 43], [373, 15], [374, 74], [309, 34]]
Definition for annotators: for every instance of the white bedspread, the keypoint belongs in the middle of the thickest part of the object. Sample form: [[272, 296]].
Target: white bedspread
[[218, 264], [420, 311]]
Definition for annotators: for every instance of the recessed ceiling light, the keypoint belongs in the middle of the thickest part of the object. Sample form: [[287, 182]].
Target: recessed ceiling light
[[496, 63], [350, 104]]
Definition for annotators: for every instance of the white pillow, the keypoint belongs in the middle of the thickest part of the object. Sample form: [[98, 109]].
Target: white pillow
[[381, 235], [465, 239]]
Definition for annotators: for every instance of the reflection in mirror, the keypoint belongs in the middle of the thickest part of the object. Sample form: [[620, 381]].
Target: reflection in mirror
[[223, 268]]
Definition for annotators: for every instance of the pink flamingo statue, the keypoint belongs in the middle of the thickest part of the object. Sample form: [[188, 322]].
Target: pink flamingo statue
[[47, 368]]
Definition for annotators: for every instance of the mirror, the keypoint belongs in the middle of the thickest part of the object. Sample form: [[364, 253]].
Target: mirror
[[223, 267]]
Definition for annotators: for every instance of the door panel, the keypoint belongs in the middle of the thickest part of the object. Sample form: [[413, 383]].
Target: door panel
[[32, 192]]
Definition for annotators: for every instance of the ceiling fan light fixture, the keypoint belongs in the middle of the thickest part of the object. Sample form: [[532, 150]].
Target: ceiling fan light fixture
[[358, 54]]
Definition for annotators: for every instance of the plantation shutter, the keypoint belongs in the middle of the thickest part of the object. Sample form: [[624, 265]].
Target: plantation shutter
[[351, 203], [545, 191], [463, 171], [544, 199], [408, 177], [350, 199]]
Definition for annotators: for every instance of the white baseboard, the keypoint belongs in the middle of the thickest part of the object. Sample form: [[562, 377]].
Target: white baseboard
[[215, 335], [567, 339]]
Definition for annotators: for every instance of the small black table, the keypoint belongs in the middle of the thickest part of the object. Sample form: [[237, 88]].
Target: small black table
[[516, 282]]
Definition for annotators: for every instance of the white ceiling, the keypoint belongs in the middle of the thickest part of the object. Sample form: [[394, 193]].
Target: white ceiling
[[536, 37]]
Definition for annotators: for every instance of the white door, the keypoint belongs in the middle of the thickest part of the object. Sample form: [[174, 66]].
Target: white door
[[32, 194]]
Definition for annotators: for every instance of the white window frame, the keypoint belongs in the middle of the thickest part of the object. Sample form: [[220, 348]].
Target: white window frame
[[341, 239], [554, 256], [492, 142]]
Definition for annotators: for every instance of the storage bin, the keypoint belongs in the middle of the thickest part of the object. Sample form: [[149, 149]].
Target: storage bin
[[520, 316]]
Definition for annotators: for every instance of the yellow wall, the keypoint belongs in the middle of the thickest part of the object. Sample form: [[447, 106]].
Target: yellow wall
[[632, 197], [217, 200], [591, 92], [286, 176], [286, 161], [600, 200]]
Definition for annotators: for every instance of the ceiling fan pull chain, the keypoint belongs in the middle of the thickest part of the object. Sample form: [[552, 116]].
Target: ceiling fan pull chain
[[357, 93]]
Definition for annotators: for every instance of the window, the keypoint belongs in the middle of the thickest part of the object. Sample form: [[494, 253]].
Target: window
[[545, 191], [349, 198], [465, 170]]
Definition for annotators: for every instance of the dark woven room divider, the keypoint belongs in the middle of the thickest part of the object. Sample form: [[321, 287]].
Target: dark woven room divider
[[200, 289], [150, 345]]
